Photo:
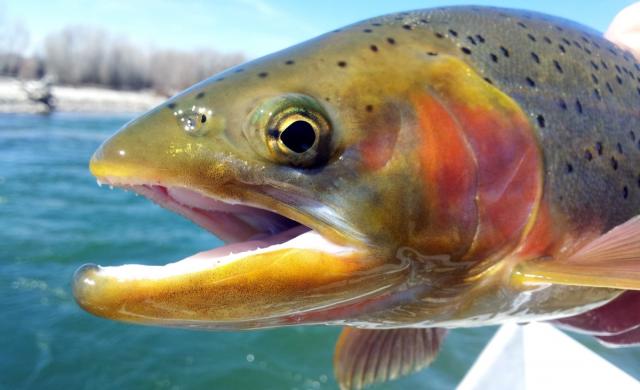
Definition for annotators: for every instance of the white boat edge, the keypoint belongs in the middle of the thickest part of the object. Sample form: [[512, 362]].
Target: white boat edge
[[538, 356]]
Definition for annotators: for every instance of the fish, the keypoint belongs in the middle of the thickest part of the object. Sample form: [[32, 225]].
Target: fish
[[402, 176]]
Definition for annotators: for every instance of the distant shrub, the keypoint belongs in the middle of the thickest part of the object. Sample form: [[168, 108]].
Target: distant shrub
[[88, 56]]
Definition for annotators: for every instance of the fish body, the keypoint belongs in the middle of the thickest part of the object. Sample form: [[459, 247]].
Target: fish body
[[433, 169]]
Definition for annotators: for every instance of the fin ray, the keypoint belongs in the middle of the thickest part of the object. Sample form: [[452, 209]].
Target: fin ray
[[610, 261], [366, 356]]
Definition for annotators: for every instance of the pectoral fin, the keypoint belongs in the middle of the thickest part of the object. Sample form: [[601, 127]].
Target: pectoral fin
[[367, 356], [612, 260]]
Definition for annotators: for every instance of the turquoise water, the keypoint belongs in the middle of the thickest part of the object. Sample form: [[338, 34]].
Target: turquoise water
[[53, 218]]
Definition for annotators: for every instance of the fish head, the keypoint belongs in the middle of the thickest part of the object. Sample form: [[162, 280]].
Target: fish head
[[303, 162]]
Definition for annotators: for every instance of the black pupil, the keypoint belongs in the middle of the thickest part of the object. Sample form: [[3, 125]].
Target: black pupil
[[298, 136]]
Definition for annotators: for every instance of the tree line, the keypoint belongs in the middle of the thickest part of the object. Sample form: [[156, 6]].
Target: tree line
[[88, 56]]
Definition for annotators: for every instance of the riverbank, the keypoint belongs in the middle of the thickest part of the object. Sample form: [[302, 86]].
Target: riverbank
[[14, 99]]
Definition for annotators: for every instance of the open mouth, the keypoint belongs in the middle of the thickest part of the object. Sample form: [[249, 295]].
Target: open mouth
[[236, 224], [272, 271], [246, 230]]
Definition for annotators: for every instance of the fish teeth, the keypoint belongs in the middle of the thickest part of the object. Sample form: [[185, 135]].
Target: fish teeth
[[99, 183]]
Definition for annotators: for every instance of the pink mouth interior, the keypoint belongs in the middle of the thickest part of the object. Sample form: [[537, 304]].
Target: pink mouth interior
[[243, 227]]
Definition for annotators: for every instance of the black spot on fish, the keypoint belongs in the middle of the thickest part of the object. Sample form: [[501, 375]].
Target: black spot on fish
[[369, 108], [407, 27], [609, 87], [596, 93], [594, 65], [586, 49], [566, 41], [504, 51], [558, 66], [342, 64], [522, 25], [432, 53], [171, 106], [632, 135], [488, 80], [453, 32], [578, 106], [494, 57], [594, 78], [535, 57], [373, 48], [200, 95], [577, 44], [569, 168], [465, 50], [604, 65], [619, 146], [530, 82], [547, 40], [367, 30], [424, 21], [619, 79], [625, 192], [376, 24], [562, 104], [472, 40], [588, 155], [541, 121], [391, 41], [439, 35], [289, 62], [263, 74], [599, 148], [531, 37], [482, 40], [562, 49], [614, 163]]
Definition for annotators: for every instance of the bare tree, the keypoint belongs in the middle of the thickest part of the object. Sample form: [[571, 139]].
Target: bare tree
[[80, 55]]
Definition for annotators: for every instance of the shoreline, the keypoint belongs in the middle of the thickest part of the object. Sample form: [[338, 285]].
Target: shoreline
[[90, 100]]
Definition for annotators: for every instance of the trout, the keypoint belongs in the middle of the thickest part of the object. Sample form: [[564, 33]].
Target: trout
[[453, 167]]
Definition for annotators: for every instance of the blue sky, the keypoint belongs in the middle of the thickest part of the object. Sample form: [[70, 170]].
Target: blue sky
[[255, 27]]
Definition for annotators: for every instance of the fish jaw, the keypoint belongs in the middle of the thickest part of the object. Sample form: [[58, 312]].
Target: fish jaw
[[223, 290], [272, 270], [283, 258]]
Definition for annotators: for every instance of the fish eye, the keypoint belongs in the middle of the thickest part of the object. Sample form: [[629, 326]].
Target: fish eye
[[298, 135], [294, 128]]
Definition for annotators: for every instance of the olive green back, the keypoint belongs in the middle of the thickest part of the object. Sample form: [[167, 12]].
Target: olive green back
[[581, 92]]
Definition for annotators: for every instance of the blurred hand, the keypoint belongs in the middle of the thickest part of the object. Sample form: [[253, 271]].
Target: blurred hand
[[625, 29]]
